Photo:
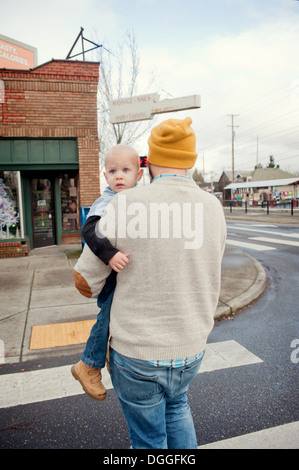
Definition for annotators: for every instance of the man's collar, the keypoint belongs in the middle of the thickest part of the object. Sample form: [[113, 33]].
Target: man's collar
[[164, 175]]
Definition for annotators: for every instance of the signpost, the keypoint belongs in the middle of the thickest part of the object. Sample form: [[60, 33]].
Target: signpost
[[143, 107]]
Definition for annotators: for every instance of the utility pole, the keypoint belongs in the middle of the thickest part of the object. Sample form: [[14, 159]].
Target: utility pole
[[233, 143]]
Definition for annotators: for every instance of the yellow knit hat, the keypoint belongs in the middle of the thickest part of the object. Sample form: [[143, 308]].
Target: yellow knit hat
[[172, 144]]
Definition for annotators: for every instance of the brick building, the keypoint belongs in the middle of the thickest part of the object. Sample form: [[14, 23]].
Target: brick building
[[49, 152]]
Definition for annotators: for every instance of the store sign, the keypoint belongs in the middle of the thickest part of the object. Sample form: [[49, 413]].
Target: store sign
[[140, 108], [16, 55]]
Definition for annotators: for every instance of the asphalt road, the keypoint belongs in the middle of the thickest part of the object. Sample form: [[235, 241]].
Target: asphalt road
[[264, 395], [225, 403]]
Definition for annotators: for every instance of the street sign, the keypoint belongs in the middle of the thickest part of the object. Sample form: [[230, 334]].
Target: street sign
[[140, 108], [134, 108], [177, 104]]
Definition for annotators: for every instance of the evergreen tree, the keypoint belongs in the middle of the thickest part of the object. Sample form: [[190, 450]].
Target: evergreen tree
[[271, 163]]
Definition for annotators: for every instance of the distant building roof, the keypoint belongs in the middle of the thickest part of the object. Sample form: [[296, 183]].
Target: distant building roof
[[238, 173], [263, 174], [264, 183]]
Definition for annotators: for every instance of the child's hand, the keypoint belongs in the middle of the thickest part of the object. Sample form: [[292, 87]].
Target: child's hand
[[119, 261]]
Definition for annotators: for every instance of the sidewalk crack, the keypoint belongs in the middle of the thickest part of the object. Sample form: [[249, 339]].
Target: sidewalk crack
[[27, 314]]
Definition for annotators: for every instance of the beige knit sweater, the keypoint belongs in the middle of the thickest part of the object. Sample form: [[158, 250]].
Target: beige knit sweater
[[165, 299]]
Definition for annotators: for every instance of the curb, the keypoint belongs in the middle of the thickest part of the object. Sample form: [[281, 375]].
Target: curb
[[250, 295]]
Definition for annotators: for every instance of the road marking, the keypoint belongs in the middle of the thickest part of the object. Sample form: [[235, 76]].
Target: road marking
[[275, 240], [279, 437], [252, 225], [251, 246], [281, 234], [264, 225], [226, 354], [23, 388]]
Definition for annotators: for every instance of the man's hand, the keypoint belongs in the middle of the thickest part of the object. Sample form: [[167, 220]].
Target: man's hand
[[119, 261]]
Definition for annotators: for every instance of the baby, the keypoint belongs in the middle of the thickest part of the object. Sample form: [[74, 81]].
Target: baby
[[122, 171]]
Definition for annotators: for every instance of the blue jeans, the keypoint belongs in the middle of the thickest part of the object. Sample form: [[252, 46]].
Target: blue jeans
[[94, 354], [154, 402]]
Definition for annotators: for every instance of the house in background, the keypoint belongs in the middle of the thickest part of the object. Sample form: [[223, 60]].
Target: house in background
[[227, 177], [264, 184]]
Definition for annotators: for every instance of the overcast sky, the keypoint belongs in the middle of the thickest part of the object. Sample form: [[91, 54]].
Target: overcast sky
[[240, 56]]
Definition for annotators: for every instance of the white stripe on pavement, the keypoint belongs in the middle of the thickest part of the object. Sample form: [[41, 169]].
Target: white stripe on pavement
[[48, 384], [251, 246], [257, 225], [279, 437], [268, 232], [275, 240]]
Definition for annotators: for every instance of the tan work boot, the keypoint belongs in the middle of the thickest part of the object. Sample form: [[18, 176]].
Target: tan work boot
[[90, 379]]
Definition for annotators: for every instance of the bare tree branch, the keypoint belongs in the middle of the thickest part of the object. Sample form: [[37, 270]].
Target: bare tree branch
[[119, 78]]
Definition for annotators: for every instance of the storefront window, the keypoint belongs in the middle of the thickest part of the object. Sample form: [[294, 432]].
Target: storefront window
[[69, 187], [10, 219]]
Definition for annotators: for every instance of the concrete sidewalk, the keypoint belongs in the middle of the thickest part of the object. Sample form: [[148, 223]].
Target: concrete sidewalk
[[257, 214], [39, 290]]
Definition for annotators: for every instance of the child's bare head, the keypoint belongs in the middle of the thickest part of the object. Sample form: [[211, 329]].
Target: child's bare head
[[122, 167], [124, 151]]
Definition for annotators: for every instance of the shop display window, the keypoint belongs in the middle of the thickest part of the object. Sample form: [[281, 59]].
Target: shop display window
[[10, 217], [69, 188]]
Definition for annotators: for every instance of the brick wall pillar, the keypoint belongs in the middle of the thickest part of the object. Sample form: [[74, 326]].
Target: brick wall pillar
[[89, 174]]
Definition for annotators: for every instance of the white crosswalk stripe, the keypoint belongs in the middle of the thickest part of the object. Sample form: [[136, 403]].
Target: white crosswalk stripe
[[285, 238], [251, 246], [279, 437], [275, 240], [47, 384], [281, 233]]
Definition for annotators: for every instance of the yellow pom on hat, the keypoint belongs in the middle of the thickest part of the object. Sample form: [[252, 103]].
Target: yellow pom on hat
[[172, 144]]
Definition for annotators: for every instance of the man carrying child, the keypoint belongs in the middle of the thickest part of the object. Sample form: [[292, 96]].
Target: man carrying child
[[166, 296]]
